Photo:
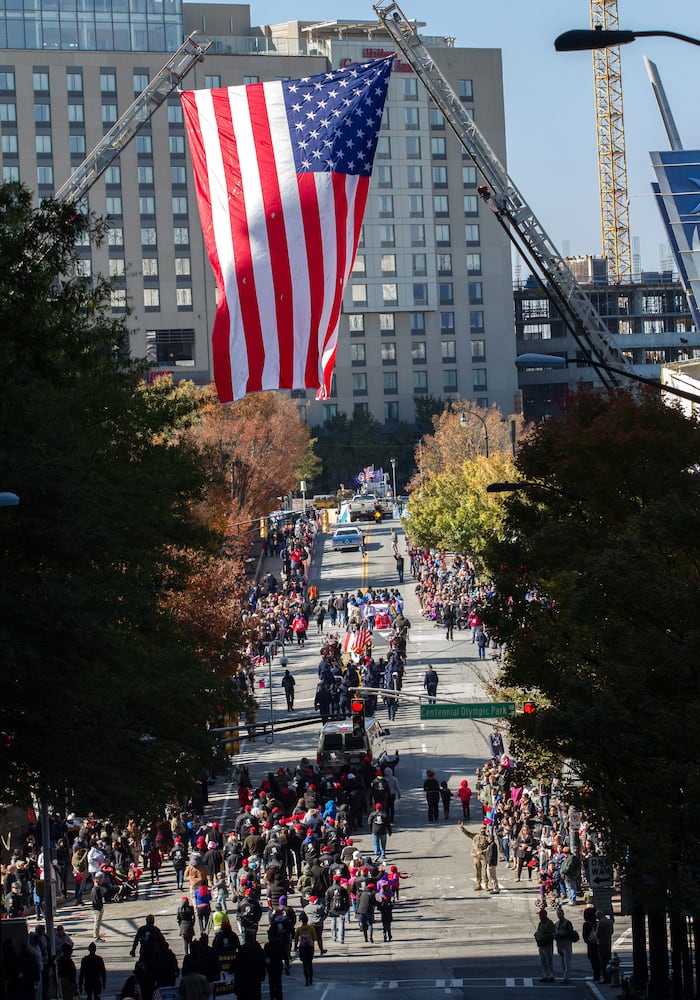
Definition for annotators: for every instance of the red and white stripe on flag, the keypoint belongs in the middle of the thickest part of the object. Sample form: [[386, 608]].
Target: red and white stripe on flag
[[282, 172]]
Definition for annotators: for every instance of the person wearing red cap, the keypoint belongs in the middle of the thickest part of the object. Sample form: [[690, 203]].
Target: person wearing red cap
[[337, 904], [316, 913], [380, 828], [249, 913], [366, 902], [185, 921]]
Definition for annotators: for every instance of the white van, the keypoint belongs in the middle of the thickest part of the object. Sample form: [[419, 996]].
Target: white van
[[339, 748]]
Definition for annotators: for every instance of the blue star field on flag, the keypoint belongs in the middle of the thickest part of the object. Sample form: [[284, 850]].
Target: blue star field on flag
[[334, 118]]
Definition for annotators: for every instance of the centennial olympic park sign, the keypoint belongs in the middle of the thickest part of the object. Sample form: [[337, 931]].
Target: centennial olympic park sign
[[471, 710]]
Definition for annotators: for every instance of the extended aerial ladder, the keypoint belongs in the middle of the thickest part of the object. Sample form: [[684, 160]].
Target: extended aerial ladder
[[510, 208], [134, 118]]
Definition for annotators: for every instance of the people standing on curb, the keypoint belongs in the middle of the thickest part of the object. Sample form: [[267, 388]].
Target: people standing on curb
[[544, 937], [603, 933], [591, 941]]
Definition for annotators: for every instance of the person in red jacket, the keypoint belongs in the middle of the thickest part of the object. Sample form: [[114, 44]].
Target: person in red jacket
[[464, 793], [299, 627]]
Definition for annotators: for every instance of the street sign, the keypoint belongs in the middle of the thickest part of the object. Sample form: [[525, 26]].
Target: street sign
[[602, 900], [599, 872], [473, 710]]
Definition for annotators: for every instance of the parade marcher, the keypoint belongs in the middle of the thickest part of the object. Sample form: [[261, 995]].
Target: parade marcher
[[202, 899], [225, 946], [544, 936], [304, 941], [249, 914], [430, 683], [380, 828], [288, 683], [93, 975], [185, 922], [337, 905], [275, 953], [178, 857], [431, 787], [366, 903], [316, 914], [386, 910], [479, 846], [564, 936], [249, 971]]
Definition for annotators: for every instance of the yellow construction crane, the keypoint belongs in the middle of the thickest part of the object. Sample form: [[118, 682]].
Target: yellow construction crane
[[610, 134]]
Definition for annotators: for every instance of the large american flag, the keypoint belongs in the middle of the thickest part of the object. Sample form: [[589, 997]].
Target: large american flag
[[282, 171]]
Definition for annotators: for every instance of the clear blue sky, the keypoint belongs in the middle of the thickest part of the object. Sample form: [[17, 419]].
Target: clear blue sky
[[549, 98]]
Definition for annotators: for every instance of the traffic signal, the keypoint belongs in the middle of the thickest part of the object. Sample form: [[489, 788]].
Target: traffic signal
[[357, 710], [530, 718]]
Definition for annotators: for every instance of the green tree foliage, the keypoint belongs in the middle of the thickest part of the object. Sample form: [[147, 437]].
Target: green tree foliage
[[449, 507], [453, 511], [609, 541], [103, 696]]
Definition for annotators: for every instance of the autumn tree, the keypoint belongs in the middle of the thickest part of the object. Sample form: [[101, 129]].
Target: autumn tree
[[253, 449], [598, 605]]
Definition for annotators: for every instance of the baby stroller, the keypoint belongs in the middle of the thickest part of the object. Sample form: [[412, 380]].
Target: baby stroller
[[127, 885]]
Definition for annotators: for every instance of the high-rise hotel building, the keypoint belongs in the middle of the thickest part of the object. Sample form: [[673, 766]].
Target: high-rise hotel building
[[429, 308]]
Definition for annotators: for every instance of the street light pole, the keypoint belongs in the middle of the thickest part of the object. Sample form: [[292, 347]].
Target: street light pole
[[393, 475], [463, 423], [598, 38]]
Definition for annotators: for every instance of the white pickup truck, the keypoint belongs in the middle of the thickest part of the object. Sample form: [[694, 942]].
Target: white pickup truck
[[362, 507]]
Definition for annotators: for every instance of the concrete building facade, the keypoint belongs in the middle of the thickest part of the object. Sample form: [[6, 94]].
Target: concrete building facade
[[429, 308]]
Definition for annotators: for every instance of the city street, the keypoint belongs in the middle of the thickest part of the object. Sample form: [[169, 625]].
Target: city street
[[448, 939]]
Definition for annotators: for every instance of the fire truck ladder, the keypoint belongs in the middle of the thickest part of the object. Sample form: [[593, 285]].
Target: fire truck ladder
[[123, 131], [512, 211]]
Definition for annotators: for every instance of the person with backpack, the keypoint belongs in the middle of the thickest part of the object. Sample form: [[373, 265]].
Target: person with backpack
[[337, 903], [305, 938], [380, 828], [178, 857], [185, 921], [249, 914], [281, 929]]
